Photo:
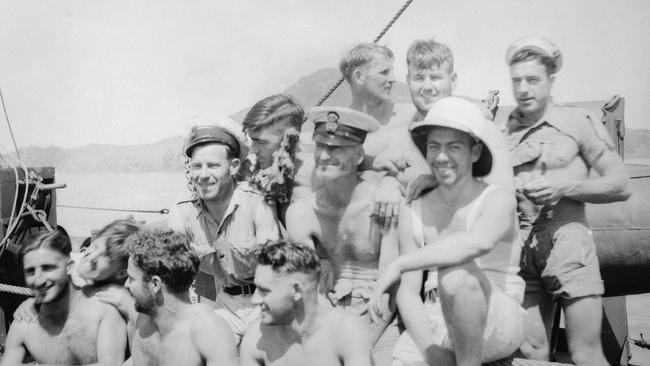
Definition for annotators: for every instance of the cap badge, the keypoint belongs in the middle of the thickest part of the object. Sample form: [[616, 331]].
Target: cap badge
[[332, 122]]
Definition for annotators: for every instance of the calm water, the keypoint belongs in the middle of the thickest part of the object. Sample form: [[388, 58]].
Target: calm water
[[154, 191]]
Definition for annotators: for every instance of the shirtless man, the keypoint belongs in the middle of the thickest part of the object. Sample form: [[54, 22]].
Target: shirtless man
[[72, 329], [295, 330], [368, 69], [169, 330], [553, 149], [467, 230], [337, 219]]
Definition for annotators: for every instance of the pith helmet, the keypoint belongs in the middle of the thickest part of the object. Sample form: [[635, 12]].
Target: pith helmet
[[458, 114]]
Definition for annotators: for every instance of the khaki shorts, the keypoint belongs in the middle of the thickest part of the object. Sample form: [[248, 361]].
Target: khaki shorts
[[559, 258], [504, 332]]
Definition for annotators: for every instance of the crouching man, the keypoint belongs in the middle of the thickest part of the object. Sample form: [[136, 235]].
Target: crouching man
[[467, 231]]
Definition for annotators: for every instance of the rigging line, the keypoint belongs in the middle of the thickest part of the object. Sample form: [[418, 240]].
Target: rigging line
[[163, 211], [11, 132], [381, 34]]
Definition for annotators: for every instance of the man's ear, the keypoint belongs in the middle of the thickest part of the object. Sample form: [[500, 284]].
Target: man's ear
[[360, 155], [477, 149], [155, 284], [357, 76], [454, 80], [551, 79], [235, 164]]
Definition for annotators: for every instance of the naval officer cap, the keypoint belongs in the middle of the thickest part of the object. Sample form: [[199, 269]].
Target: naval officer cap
[[341, 126], [538, 44], [219, 130]]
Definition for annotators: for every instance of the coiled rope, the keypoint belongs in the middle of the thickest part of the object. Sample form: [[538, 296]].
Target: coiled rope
[[381, 34]]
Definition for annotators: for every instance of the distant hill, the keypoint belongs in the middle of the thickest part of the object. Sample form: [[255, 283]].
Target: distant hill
[[162, 156], [166, 156]]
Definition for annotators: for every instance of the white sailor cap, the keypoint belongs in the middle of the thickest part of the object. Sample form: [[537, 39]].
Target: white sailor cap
[[341, 126], [538, 44]]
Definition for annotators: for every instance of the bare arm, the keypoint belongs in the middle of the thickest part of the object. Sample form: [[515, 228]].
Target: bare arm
[[214, 341], [409, 303], [495, 220], [611, 186], [249, 355], [15, 350], [111, 339], [297, 229]]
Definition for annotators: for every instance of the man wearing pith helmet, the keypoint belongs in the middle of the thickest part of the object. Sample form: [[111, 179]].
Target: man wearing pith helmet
[[226, 221], [337, 220], [465, 234], [553, 148]]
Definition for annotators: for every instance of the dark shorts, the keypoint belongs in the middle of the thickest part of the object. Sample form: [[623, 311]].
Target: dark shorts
[[559, 258]]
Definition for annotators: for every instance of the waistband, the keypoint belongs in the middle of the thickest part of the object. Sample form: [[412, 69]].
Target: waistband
[[352, 272]]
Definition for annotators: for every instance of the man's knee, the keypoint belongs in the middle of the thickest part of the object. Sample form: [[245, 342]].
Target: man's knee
[[458, 281]]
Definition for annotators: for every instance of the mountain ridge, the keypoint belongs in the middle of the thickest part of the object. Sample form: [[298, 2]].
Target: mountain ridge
[[166, 155]]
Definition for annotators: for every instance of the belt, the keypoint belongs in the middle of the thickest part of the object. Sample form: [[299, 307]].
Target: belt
[[240, 290]]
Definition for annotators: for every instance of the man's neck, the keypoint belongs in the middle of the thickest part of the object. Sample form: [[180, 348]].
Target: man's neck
[[456, 195], [166, 316], [530, 119], [305, 319], [380, 109], [57, 311], [217, 207]]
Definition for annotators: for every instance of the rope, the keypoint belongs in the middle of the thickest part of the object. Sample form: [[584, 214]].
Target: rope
[[15, 290], [163, 211], [381, 34], [9, 124]]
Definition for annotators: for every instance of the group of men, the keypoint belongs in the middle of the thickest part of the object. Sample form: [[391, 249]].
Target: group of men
[[452, 254]]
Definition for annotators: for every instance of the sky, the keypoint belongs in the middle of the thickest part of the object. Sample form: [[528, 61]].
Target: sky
[[78, 72]]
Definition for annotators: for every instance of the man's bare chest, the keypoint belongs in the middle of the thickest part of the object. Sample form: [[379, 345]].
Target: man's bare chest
[[316, 352], [352, 235], [75, 343], [176, 348]]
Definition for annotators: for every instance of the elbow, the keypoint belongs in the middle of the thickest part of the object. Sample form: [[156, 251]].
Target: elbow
[[625, 190]]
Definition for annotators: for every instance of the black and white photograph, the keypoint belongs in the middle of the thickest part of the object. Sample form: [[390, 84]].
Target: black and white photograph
[[358, 183]]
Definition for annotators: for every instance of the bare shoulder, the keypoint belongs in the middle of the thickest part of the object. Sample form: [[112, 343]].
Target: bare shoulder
[[343, 325], [301, 207], [90, 305], [202, 316], [499, 199]]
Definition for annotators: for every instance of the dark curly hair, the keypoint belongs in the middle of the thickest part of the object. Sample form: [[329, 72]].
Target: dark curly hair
[[166, 254], [272, 109], [289, 257]]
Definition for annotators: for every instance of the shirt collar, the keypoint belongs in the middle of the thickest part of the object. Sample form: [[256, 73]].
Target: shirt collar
[[235, 200]]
